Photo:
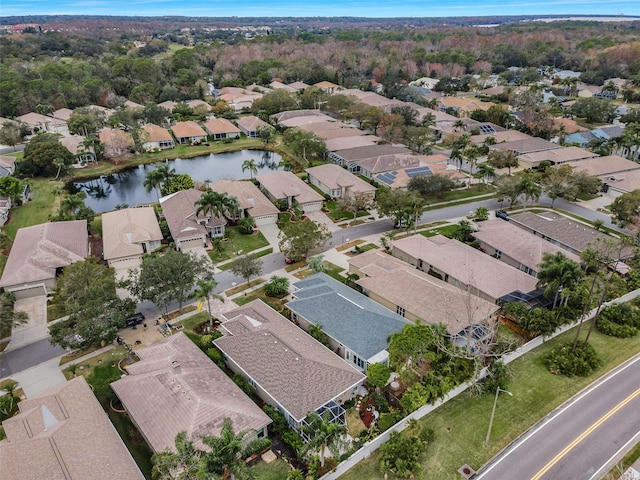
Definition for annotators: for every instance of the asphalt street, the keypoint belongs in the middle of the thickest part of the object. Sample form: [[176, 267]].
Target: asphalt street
[[28, 356], [582, 439]]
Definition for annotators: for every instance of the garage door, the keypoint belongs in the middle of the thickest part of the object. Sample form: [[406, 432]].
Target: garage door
[[265, 220], [29, 292], [193, 243]]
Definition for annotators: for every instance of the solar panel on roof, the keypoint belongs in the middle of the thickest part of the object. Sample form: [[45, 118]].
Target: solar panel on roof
[[486, 129], [412, 172]]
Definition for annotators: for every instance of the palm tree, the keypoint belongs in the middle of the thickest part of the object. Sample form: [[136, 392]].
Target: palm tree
[[250, 165], [183, 463], [153, 181], [225, 457], [59, 163], [210, 204], [472, 153], [166, 173], [456, 156], [487, 171], [203, 292], [72, 203], [556, 273], [458, 124], [325, 435], [530, 189]]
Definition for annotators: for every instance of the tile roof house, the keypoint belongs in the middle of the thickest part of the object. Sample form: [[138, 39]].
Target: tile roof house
[[343, 143], [610, 165], [5, 206], [189, 133], [299, 86], [253, 202], [128, 234], [155, 138], [289, 369], [328, 86], [331, 130], [251, 125], [436, 164], [188, 230], [39, 123], [277, 85], [348, 156], [75, 145], [337, 182], [221, 128], [116, 142], [7, 165], [464, 106], [557, 156], [288, 189], [516, 246], [39, 253], [358, 328], [462, 265], [63, 114], [418, 296], [562, 231], [369, 167], [529, 145], [616, 185], [308, 116], [64, 434], [176, 388]]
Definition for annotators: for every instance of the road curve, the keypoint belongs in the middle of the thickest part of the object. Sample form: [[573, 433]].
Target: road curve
[[582, 438]]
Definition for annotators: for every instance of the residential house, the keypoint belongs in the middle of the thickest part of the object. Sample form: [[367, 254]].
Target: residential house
[[372, 99], [331, 130], [278, 85], [620, 183], [221, 129], [580, 139], [175, 387], [357, 328], [420, 297], [63, 114], [128, 234], [337, 182], [328, 86], [499, 136], [352, 153], [299, 86], [117, 143], [168, 105], [64, 433], [568, 234], [298, 118], [199, 104], [289, 369], [344, 143], [253, 203], [38, 123], [155, 138], [463, 266], [40, 253], [371, 167], [516, 246], [83, 153], [529, 145], [7, 165], [606, 167], [251, 125], [437, 164], [286, 190], [608, 132], [189, 133], [5, 206], [464, 106], [133, 105], [189, 230], [557, 156]]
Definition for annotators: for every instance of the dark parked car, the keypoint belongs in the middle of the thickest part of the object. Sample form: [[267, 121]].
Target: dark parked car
[[134, 320], [502, 214]]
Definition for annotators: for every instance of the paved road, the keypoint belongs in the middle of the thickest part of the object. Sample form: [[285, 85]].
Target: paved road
[[26, 357], [582, 439]]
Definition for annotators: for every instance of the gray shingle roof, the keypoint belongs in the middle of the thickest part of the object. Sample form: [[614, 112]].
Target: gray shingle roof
[[349, 317]]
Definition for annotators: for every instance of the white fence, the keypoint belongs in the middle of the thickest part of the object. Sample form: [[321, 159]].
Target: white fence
[[371, 446]]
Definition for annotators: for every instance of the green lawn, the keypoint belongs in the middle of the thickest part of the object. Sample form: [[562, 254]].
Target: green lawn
[[237, 244], [336, 213], [275, 303], [37, 210], [461, 424], [276, 470], [191, 322], [447, 231], [462, 193], [268, 251]]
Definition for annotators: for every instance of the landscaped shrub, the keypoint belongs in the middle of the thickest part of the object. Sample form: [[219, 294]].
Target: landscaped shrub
[[497, 377], [278, 287], [216, 355], [563, 361], [242, 383], [619, 320], [386, 421], [256, 446]]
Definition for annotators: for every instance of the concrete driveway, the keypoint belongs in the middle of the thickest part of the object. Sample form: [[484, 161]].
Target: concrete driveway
[[36, 326], [271, 232], [322, 218]]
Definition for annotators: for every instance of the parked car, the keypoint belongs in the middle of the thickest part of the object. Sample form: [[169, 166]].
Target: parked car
[[502, 214], [134, 320]]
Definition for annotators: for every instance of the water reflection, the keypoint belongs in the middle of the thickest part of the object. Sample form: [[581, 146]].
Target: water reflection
[[126, 187]]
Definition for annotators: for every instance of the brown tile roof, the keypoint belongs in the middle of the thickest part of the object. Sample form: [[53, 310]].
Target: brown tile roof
[[522, 246], [169, 105], [334, 177], [291, 366], [7, 162], [419, 293], [336, 144], [188, 129], [220, 126], [299, 85], [325, 84], [468, 104], [64, 434], [108, 136], [281, 185], [38, 250], [306, 120], [533, 144], [500, 137], [557, 155], [123, 231], [402, 178], [466, 264], [155, 133], [251, 123], [249, 196], [193, 395], [609, 165], [307, 113], [386, 163], [570, 125], [331, 130], [36, 119], [361, 153], [180, 213], [624, 182], [63, 114], [566, 232], [73, 143]]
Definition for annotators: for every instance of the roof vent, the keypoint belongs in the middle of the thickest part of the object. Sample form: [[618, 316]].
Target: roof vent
[[175, 364]]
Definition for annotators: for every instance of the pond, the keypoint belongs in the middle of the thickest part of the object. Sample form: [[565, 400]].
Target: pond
[[126, 187]]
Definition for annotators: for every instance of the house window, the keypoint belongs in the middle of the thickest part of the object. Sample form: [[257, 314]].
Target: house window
[[400, 311], [294, 316], [251, 382], [217, 230], [260, 433], [497, 254]]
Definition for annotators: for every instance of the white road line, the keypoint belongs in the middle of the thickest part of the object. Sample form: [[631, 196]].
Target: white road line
[[615, 457], [576, 399]]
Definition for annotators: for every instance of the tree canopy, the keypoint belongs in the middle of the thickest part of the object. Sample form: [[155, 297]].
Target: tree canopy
[[298, 238]]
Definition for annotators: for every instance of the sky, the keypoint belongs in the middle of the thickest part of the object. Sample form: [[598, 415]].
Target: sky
[[324, 8]]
